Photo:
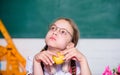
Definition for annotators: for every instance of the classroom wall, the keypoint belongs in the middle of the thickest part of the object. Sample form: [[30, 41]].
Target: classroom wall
[[31, 18], [99, 52]]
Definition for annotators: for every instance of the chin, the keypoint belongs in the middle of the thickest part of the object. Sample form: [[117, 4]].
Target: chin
[[51, 44]]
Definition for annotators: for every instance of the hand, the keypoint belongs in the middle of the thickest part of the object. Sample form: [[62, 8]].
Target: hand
[[74, 54], [45, 57]]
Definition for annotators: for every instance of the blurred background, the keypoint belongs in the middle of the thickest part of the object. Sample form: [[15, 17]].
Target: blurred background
[[27, 22]]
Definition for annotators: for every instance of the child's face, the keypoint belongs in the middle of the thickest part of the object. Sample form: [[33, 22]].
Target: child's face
[[59, 35]]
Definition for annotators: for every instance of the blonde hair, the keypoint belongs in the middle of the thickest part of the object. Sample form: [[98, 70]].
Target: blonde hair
[[71, 64]]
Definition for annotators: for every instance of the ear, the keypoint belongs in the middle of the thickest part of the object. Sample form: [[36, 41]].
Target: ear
[[70, 45]]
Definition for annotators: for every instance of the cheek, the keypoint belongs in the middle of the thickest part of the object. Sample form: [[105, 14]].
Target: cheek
[[47, 37], [62, 43]]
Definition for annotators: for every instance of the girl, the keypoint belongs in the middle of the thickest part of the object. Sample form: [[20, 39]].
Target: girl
[[62, 37]]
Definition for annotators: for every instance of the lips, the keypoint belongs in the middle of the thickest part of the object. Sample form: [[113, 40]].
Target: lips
[[52, 38]]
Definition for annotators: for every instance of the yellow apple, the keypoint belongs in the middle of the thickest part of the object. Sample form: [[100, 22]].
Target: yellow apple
[[59, 59]]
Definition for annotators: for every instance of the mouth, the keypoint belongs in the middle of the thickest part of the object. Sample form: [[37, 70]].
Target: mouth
[[52, 38]]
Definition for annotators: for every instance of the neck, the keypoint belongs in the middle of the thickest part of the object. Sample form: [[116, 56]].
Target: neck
[[53, 49]]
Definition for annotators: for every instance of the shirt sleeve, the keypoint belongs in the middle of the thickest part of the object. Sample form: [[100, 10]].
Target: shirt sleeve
[[78, 68], [29, 65]]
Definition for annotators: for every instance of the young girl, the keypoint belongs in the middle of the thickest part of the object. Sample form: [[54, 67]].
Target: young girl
[[62, 37]]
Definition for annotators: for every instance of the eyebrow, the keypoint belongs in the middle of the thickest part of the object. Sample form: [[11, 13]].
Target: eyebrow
[[59, 27]]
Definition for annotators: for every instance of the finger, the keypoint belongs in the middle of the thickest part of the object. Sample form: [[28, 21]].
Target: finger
[[65, 52], [74, 58], [69, 56], [42, 57], [50, 58], [44, 61], [52, 53], [47, 58], [37, 57], [70, 45]]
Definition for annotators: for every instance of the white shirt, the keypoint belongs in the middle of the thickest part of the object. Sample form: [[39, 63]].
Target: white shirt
[[29, 68]]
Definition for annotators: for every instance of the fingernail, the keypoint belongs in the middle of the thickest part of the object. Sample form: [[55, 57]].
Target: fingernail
[[53, 62]]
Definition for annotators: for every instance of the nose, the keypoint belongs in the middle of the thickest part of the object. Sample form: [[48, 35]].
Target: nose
[[56, 32]]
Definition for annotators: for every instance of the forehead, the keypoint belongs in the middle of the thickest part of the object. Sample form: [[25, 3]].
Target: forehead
[[64, 24]]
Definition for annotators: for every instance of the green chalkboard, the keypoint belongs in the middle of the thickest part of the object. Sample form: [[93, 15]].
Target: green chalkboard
[[31, 18]]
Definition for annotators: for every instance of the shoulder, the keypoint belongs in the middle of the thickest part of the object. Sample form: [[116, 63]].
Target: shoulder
[[29, 64]]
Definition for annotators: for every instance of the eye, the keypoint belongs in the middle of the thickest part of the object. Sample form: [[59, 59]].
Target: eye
[[63, 31], [53, 28]]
